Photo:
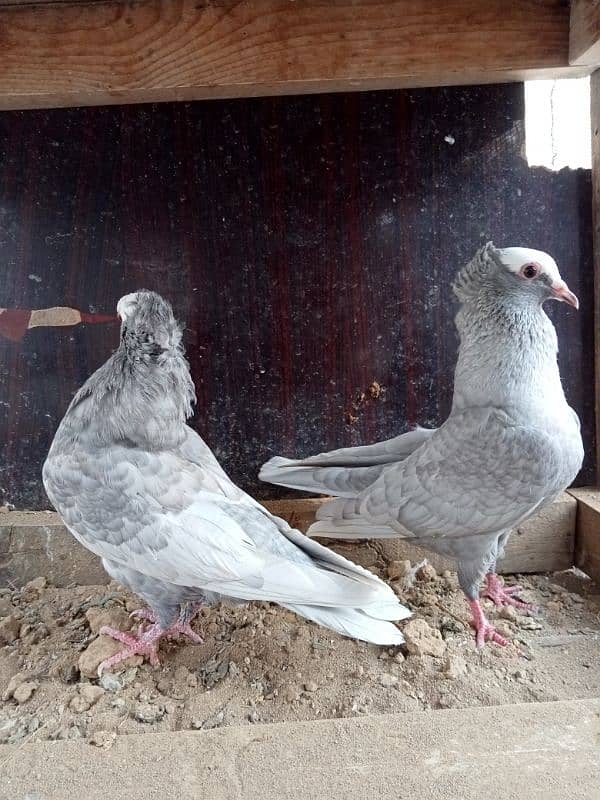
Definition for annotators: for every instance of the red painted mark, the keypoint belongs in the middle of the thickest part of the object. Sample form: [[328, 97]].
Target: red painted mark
[[14, 322], [92, 319]]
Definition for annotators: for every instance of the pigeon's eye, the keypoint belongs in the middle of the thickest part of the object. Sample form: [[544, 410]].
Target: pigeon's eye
[[529, 271]]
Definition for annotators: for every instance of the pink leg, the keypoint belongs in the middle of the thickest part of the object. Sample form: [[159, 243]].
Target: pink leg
[[146, 642], [177, 628], [484, 632], [502, 595]]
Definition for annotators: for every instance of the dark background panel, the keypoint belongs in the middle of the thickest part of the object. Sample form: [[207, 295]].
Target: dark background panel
[[309, 244]]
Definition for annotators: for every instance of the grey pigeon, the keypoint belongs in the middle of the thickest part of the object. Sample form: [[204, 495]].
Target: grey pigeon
[[510, 445], [138, 487]]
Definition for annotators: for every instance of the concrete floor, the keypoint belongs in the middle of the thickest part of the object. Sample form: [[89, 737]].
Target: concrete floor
[[533, 751]]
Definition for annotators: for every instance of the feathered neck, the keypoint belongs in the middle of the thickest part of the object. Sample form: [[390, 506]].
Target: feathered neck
[[507, 354], [139, 401]]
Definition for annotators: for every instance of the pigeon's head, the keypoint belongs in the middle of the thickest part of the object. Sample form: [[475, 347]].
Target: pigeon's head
[[519, 273], [148, 327]]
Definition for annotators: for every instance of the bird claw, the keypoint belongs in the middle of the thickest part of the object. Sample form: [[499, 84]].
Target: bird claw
[[146, 642], [487, 633], [484, 631], [502, 595], [176, 629]]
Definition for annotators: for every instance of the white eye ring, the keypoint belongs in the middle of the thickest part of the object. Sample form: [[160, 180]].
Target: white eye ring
[[530, 271]]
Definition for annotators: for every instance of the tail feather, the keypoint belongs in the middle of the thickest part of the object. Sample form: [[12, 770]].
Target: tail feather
[[352, 622], [350, 529], [346, 472], [336, 480]]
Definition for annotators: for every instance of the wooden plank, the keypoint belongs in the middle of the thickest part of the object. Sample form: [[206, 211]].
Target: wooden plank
[[584, 36], [545, 543], [587, 532], [595, 113], [181, 49], [37, 543]]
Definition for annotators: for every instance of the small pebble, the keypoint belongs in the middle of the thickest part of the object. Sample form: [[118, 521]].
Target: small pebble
[[508, 612], [148, 714], [291, 693], [5, 606], [398, 569], [215, 721], [69, 673], [427, 572], [24, 691], [111, 682], [90, 692], [422, 639], [454, 667], [529, 624], [388, 680], [37, 583], [15, 681], [102, 738], [9, 629], [311, 686]]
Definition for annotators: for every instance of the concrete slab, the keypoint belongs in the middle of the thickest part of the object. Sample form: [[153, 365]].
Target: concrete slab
[[533, 751]]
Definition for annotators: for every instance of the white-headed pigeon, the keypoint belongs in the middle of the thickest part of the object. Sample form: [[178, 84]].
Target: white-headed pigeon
[[510, 445]]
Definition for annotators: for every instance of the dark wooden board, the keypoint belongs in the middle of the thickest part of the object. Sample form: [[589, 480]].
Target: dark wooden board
[[309, 244]]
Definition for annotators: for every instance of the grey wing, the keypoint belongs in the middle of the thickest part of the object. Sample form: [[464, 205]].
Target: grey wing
[[480, 473], [345, 472], [165, 518], [153, 512]]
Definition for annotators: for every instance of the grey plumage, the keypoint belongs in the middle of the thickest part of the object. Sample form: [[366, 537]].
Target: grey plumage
[[138, 487], [509, 446]]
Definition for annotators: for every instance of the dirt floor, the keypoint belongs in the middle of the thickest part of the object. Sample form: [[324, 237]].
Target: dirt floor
[[261, 663]]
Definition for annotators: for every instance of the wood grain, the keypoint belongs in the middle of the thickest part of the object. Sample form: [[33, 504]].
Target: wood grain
[[584, 37], [102, 53], [307, 243], [545, 543], [587, 544], [37, 543]]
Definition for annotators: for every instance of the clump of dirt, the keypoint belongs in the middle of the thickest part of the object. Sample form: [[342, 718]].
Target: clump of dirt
[[261, 663]]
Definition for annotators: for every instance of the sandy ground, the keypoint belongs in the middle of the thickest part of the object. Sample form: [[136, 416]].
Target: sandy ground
[[262, 664]]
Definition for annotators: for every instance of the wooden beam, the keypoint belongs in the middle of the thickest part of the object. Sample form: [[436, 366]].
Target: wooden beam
[[545, 543], [34, 543], [587, 532], [112, 52], [595, 113], [584, 36]]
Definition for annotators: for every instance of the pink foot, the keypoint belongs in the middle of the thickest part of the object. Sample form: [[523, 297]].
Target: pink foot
[[176, 629], [502, 595], [146, 642], [484, 632]]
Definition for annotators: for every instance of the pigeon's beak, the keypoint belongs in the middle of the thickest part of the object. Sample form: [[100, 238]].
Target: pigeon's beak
[[560, 291]]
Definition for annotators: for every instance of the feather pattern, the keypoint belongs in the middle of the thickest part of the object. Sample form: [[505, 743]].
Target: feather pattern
[[138, 487]]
